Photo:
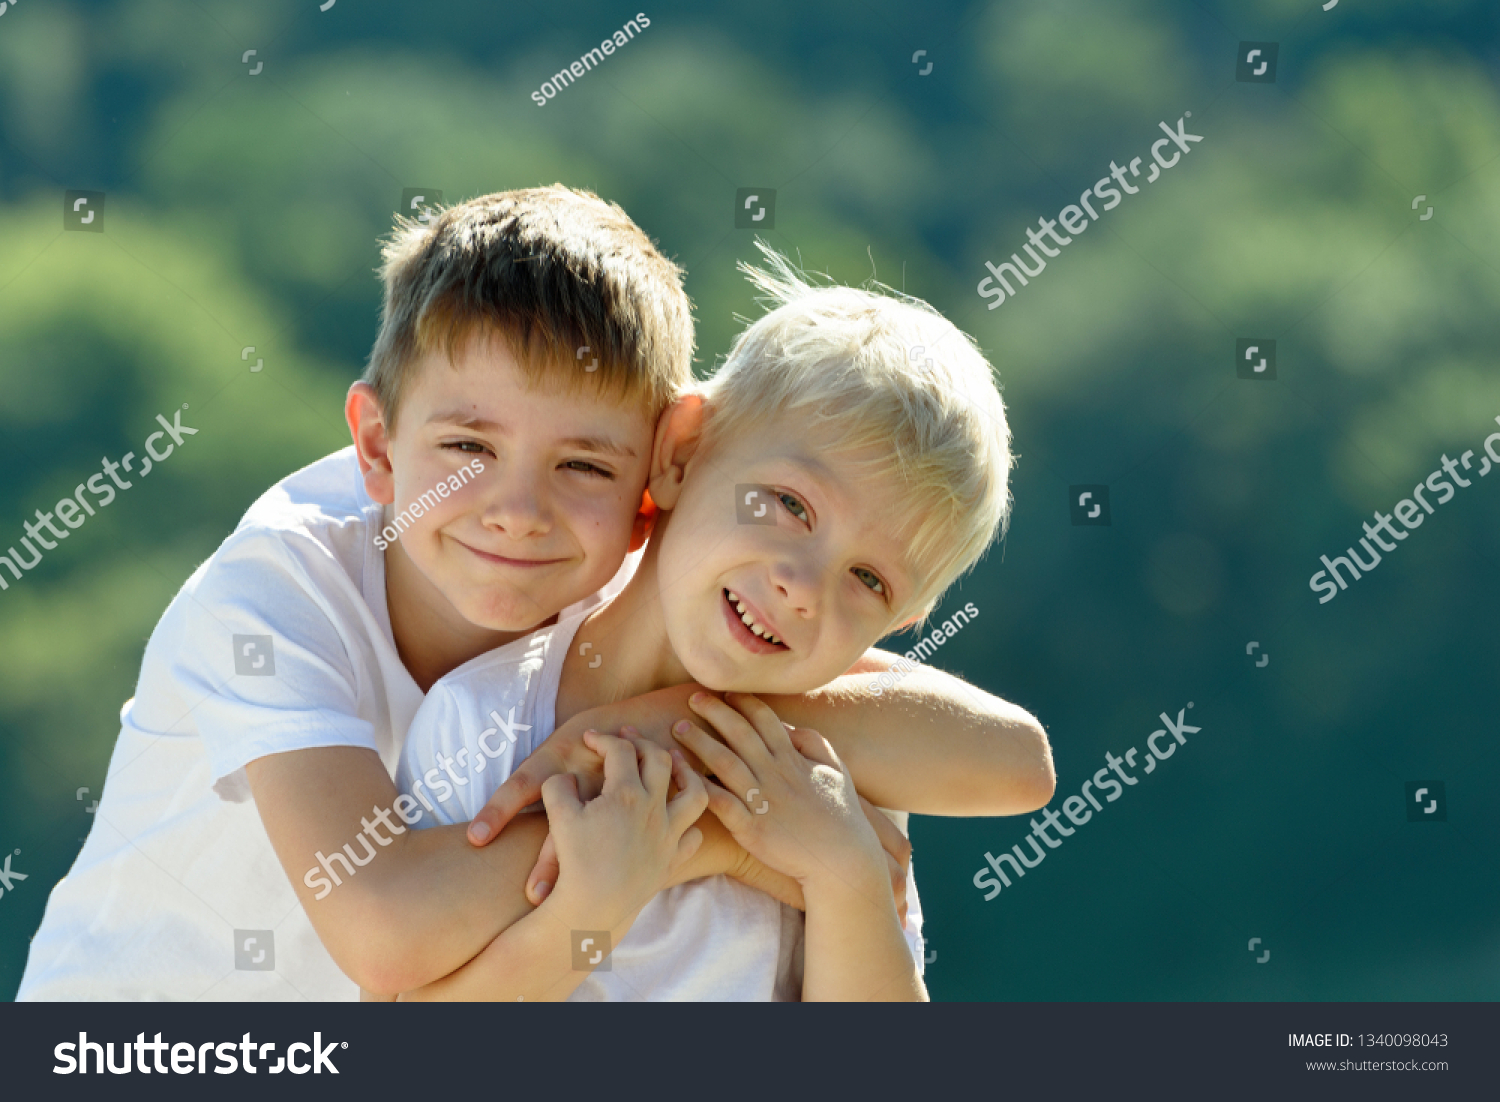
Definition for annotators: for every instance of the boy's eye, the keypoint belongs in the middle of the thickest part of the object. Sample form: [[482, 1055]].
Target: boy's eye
[[472, 447], [870, 579], [793, 506], [585, 467]]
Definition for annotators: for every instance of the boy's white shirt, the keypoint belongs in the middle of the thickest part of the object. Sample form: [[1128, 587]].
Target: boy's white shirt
[[708, 940], [177, 887]]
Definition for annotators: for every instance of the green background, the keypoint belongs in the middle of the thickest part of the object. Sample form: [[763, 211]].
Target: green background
[[244, 210]]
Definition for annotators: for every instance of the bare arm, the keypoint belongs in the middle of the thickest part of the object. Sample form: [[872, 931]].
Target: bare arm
[[426, 901], [423, 903], [813, 830], [854, 949], [617, 851], [931, 744]]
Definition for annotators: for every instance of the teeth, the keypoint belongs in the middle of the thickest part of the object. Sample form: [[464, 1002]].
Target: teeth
[[748, 620]]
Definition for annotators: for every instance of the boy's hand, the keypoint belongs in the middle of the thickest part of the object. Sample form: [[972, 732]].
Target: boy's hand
[[563, 751], [784, 795], [720, 853], [619, 849]]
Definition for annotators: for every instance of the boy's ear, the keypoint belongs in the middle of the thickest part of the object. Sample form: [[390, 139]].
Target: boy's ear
[[372, 444], [679, 432], [645, 521]]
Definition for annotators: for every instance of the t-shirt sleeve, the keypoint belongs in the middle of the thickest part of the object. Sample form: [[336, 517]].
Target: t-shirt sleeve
[[455, 754], [258, 651]]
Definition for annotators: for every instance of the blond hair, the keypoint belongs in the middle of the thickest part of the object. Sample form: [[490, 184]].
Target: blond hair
[[891, 378], [576, 289]]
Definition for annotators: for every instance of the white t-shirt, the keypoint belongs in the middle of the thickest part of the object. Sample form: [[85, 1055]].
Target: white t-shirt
[[708, 940], [280, 641]]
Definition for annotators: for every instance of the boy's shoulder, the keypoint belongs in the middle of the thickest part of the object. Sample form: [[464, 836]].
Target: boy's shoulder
[[313, 515], [328, 491], [291, 609], [300, 563]]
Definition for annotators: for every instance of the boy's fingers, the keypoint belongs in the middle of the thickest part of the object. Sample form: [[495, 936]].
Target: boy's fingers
[[560, 797], [738, 732], [687, 845], [727, 808], [684, 808], [763, 718], [723, 762], [814, 747], [656, 769], [521, 788], [620, 769], [544, 873]]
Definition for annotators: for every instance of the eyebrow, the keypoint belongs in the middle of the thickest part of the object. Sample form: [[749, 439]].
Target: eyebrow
[[596, 445]]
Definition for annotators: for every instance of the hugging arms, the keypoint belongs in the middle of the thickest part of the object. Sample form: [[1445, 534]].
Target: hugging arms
[[430, 901]]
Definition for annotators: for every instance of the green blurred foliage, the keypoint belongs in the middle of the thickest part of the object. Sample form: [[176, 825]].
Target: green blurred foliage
[[247, 211]]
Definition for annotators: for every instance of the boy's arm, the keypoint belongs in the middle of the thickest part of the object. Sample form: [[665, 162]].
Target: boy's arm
[[931, 744], [423, 902], [420, 901], [810, 827], [617, 851], [854, 950]]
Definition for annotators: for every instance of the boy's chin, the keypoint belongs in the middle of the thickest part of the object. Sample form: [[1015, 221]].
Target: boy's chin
[[747, 679], [509, 613]]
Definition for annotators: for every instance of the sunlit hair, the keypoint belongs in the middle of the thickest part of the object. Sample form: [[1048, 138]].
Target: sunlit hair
[[896, 388], [567, 280]]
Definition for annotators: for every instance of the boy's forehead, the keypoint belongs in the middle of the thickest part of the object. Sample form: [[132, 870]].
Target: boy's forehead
[[483, 386]]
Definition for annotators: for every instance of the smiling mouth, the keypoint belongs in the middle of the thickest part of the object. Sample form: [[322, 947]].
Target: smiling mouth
[[754, 635], [506, 561]]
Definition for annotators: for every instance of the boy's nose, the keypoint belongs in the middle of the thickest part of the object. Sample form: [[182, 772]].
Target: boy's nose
[[519, 508], [799, 585]]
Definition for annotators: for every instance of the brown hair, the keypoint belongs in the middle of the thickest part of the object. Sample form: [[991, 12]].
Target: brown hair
[[573, 286]]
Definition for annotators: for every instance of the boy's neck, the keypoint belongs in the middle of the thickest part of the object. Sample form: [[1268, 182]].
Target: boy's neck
[[431, 639], [627, 638]]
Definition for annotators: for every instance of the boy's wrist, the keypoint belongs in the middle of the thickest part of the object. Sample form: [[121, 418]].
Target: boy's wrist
[[580, 911], [861, 877]]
